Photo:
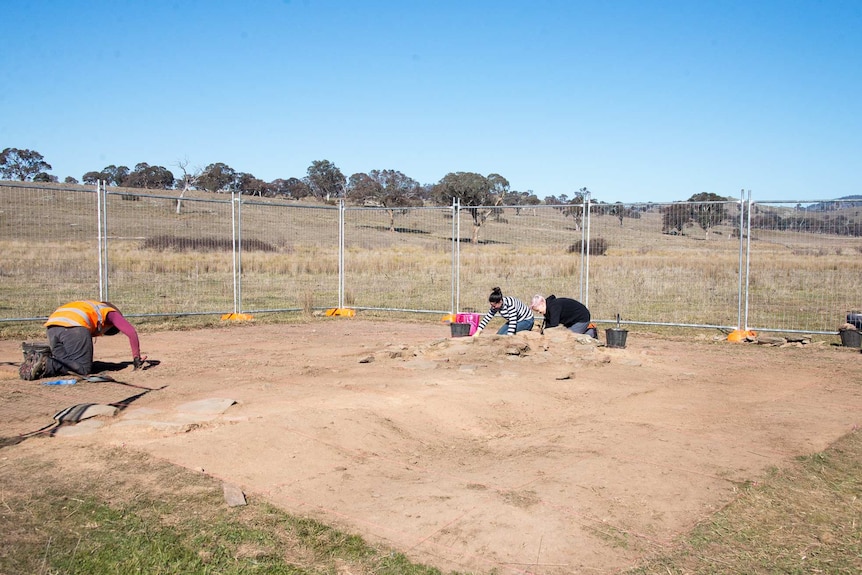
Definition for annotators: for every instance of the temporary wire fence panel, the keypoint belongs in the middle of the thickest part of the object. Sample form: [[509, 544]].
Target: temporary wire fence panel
[[522, 250], [805, 264], [398, 259], [676, 264], [165, 260], [289, 256], [665, 263], [49, 246]]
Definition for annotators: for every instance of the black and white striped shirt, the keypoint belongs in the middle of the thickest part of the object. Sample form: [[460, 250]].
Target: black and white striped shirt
[[513, 310]]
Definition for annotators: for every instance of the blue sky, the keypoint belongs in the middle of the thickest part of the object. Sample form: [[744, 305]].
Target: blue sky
[[640, 100]]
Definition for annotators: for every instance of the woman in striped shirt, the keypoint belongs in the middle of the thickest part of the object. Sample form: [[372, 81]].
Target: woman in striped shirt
[[518, 316]]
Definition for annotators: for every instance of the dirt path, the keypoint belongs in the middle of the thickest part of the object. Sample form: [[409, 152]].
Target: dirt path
[[531, 454]]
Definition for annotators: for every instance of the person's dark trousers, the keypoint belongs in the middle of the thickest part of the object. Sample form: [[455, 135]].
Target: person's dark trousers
[[71, 351]]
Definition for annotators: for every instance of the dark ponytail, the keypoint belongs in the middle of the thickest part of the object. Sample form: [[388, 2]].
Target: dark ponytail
[[496, 295]]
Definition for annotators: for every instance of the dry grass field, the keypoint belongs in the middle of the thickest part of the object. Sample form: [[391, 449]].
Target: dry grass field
[[159, 261], [162, 262]]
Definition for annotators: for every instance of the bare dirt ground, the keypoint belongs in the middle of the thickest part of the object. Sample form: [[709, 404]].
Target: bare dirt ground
[[534, 454]]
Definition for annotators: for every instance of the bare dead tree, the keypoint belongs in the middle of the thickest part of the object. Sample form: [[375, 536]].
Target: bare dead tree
[[190, 180]]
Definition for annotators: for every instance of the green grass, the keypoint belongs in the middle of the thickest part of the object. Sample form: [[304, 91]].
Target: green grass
[[133, 539], [806, 518], [53, 523], [138, 515]]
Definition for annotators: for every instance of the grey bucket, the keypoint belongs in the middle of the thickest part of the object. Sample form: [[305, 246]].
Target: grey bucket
[[616, 337], [850, 338]]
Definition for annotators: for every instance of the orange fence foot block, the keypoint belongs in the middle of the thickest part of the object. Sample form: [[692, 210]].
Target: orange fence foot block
[[341, 311], [738, 335], [237, 317]]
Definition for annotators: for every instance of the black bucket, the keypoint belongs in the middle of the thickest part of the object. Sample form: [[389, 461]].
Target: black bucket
[[616, 337], [850, 338], [460, 329]]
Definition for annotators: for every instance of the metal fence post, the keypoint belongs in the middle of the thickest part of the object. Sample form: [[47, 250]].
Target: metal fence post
[[341, 253], [742, 233], [747, 255], [234, 250], [585, 252], [102, 237], [238, 202], [456, 256]]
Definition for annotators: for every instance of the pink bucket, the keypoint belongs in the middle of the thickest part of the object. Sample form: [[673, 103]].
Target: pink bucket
[[471, 318]]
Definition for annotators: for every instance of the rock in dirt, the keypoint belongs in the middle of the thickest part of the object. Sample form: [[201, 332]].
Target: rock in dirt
[[518, 349], [84, 411], [233, 495], [765, 340]]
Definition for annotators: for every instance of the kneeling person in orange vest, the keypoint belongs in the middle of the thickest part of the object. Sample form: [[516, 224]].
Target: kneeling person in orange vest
[[71, 329]]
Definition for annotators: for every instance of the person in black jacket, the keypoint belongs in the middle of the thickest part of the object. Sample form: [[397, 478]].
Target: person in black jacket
[[564, 311]]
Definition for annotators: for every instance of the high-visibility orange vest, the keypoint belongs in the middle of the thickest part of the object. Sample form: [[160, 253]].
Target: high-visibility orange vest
[[90, 314]]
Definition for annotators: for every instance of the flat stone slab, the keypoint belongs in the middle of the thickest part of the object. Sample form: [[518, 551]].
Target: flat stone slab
[[178, 419], [83, 411], [152, 425], [87, 427], [233, 495], [420, 364], [211, 406], [141, 413]]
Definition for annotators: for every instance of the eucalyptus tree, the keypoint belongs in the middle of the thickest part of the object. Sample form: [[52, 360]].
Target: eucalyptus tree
[[573, 207], [150, 177], [389, 189], [475, 193], [706, 210], [291, 187], [326, 180], [363, 190], [218, 177], [111, 175], [520, 199], [22, 165], [252, 186]]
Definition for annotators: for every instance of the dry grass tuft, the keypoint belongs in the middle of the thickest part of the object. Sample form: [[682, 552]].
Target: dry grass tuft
[[164, 243], [803, 519]]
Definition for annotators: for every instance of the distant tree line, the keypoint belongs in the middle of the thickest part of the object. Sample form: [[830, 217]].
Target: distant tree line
[[807, 221], [483, 197]]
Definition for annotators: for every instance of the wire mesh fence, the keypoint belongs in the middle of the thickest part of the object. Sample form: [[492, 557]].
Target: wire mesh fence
[[398, 259], [780, 266], [653, 265], [161, 261], [49, 248], [288, 258], [523, 251], [805, 264]]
